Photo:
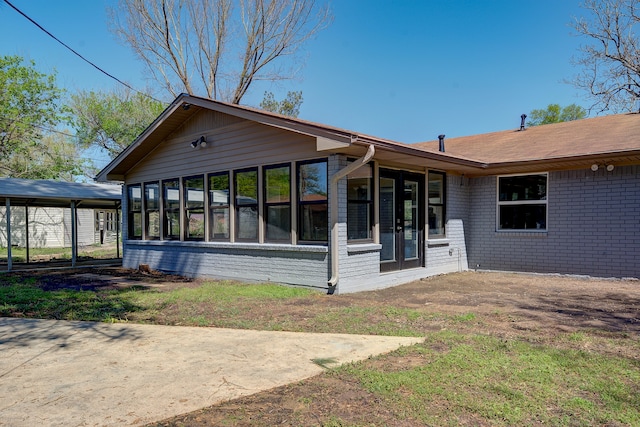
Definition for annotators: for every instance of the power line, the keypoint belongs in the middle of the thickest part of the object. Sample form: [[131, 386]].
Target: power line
[[76, 53], [9, 121], [48, 129]]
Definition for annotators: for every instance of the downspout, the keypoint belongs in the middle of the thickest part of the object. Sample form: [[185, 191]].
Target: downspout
[[333, 190]]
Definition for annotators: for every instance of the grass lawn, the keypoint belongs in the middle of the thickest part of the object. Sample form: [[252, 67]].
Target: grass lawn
[[480, 364], [48, 254]]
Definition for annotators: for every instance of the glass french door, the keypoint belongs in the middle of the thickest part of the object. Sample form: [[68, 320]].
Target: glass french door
[[401, 220]]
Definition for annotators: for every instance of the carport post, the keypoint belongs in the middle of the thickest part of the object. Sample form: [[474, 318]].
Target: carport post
[[118, 231], [26, 234], [8, 218], [74, 234]]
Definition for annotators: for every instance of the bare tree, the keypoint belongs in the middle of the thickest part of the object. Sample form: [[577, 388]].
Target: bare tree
[[207, 47], [611, 63]]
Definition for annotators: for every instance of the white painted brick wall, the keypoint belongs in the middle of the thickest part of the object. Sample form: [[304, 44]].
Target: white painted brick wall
[[306, 266]]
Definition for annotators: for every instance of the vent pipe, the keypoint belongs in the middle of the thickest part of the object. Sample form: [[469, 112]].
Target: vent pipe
[[522, 117], [441, 143]]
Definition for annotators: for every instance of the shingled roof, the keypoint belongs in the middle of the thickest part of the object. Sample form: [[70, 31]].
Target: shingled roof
[[614, 139]]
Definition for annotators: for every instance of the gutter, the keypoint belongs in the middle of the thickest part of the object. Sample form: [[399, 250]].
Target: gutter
[[333, 190]]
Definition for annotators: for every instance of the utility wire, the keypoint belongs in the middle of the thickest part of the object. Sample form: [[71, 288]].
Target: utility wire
[[77, 54], [48, 129]]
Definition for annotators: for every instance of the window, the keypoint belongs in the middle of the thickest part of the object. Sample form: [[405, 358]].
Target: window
[[522, 202], [171, 193], [219, 206], [360, 203], [135, 211], [246, 204], [277, 202], [152, 210], [436, 204], [194, 207], [312, 207], [111, 222]]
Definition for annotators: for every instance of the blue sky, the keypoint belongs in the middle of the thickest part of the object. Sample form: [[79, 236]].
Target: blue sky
[[397, 69]]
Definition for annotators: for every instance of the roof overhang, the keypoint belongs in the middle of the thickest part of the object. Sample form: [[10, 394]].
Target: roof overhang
[[621, 158], [46, 193]]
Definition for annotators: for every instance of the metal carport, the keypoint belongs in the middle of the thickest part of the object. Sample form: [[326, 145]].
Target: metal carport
[[47, 193]]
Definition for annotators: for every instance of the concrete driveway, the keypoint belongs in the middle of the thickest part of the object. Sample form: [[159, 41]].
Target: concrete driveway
[[58, 373]]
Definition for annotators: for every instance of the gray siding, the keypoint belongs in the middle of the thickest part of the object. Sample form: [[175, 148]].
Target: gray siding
[[229, 146], [593, 227]]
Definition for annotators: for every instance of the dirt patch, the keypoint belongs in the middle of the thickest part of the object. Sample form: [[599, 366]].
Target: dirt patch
[[527, 301], [537, 308], [103, 278]]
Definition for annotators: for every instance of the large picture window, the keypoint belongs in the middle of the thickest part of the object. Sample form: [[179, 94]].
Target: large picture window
[[171, 199], [246, 204], [152, 210], [436, 204], [219, 206], [313, 216], [522, 202], [134, 208], [360, 203], [277, 202], [194, 207]]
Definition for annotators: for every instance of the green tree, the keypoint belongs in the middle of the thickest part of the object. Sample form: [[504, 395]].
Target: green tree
[[554, 113], [30, 110], [110, 121], [290, 106]]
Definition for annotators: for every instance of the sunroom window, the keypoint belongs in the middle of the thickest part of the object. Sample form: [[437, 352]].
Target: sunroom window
[[360, 203], [194, 207], [219, 206], [134, 205], [522, 202], [313, 214], [436, 204], [171, 199], [277, 203], [152, 210], [246, 204]]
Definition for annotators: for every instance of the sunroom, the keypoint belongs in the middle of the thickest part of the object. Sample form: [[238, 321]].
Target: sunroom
[[220, 190]]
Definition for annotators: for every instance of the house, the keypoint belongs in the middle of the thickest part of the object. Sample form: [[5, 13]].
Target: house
[[221, 190]]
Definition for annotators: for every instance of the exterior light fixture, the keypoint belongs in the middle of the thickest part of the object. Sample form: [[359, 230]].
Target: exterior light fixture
[[609, 168], [202, 142]]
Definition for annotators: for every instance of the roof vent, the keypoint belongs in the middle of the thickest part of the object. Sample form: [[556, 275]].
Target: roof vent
[[522, 117], [441, 144]]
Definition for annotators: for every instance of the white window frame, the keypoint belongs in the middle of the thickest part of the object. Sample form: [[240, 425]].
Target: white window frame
[[499, 203]]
